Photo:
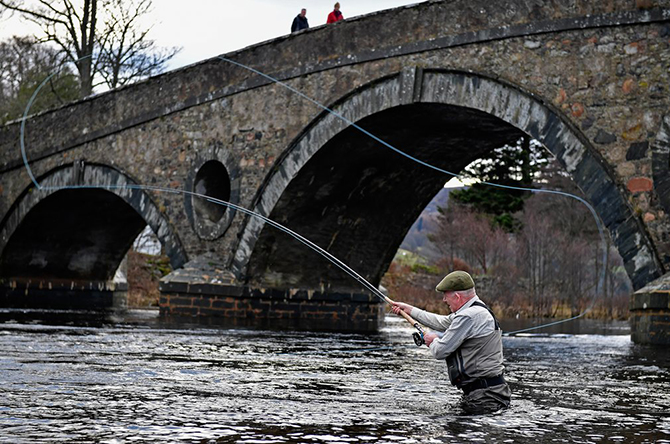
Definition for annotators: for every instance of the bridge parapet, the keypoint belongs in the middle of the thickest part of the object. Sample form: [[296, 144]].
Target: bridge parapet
[[418, 28]]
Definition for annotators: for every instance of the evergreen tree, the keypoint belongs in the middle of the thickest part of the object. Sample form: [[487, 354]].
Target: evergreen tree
[[24, 65], [510, 166]]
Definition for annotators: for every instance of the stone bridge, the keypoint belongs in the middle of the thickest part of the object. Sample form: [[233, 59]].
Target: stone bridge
[[444, 81]]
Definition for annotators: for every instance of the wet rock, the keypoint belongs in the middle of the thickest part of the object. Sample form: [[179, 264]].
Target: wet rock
[[637, 150], [587, 123], [639, 184], [604, 138]]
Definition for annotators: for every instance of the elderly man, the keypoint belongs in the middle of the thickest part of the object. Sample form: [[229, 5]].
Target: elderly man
[[300, 21], [471, 344]]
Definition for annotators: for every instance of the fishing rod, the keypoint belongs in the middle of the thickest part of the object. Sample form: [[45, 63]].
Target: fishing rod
[[418, 335]]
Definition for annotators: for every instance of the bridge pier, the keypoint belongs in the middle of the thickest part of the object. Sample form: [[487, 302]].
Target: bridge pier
[[294, 309], [203, 292], [650, 313]]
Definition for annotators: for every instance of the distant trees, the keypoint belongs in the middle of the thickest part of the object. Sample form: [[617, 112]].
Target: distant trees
[[24, 65], [550, 264], [468, 235], [102, 38]]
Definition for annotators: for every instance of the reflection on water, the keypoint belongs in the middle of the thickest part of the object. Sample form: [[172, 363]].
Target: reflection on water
[[140, 380]]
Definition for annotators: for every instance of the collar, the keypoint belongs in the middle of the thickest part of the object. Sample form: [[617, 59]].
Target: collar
[[468, 304]]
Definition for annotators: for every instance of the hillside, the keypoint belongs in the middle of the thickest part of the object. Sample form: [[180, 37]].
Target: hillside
[[416, 240]]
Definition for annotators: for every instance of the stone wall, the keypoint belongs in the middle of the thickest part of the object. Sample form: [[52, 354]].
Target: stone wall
[[264, 308]]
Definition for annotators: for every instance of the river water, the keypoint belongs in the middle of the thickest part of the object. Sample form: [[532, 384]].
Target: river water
[[136, 379]]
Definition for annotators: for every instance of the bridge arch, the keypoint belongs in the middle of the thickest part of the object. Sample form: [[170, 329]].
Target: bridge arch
[[660, 158], [79, 225], [428, 98]]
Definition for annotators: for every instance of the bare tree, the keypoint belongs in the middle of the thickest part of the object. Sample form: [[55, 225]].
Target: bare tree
[[126, 52], [119, 46], [477, 236], [464, 233], [536, 251], [70, 27], [447, 237], [572, 270]]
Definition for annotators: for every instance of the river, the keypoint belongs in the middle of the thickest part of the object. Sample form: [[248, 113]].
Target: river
[[136, 379]]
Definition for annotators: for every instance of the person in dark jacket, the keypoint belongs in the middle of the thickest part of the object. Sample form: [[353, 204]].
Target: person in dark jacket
[[300, 21], [471, 344], [336, 15]]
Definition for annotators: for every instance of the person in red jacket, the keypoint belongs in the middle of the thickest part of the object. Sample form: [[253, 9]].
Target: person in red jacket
[[336, 15]]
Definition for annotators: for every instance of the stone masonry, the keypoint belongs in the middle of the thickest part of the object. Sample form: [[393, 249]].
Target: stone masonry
[[442, 81]]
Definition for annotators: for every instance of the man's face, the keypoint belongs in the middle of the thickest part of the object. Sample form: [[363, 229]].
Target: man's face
[[303, 12], [452, 300]]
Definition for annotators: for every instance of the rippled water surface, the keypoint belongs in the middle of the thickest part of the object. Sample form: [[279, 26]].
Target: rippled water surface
[[144, 381]]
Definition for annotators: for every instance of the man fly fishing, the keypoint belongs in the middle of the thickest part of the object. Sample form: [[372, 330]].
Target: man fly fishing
[[471, 343]]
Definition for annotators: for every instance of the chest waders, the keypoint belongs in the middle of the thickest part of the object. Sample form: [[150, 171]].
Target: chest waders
[[455, 362]]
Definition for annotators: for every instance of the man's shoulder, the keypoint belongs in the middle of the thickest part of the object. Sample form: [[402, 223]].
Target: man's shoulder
[[473, 309]]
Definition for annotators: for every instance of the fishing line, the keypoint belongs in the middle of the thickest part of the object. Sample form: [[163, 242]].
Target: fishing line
[[357, 277], [349, 271], [344, 267], [25, 116], [441, 170]]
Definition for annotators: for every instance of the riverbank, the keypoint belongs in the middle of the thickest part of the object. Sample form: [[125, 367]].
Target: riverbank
[[416, 286]]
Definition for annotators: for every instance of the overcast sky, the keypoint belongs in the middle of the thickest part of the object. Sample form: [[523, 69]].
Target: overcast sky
[[207, 28]]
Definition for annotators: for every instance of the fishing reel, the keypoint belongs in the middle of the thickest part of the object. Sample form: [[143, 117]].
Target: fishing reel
[[418, 336]]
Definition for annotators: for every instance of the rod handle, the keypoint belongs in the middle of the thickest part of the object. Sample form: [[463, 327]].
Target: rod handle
[[407, 317]]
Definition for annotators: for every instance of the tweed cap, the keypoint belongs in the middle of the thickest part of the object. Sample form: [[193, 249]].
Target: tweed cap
[[455, 281]]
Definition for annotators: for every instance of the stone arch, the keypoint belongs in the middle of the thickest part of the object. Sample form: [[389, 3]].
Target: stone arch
[[660, 165], [485, 97], [660, 156], [94, 181]]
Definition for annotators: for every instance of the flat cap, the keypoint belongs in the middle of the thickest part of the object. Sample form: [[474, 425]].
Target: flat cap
[[455, 281]]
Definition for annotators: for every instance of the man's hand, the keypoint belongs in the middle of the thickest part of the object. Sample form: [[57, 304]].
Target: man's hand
[[429, 338], [401, 306]]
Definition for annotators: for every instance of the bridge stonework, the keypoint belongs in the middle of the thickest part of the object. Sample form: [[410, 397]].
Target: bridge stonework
[[442, 81]]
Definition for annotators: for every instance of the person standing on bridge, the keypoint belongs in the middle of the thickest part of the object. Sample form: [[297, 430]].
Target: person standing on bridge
[[300, 21], [471, 344], [336, 15]]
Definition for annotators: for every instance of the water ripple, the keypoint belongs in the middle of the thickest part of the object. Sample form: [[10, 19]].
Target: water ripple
[[119, 383]]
